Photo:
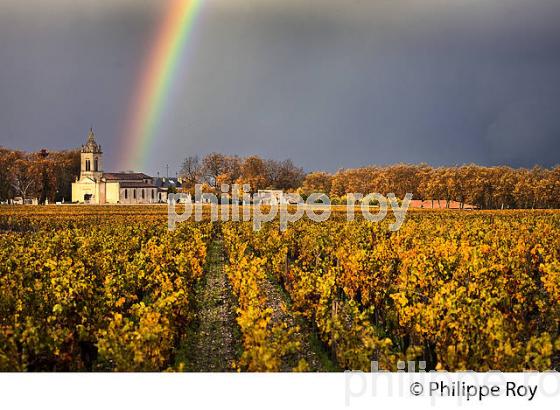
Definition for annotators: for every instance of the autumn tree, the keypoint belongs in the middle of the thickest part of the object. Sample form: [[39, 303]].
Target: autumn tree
[[284, 174], [66, 168], [7, 162], [317, 182], [253, 173], [483, 187], [231, 171]]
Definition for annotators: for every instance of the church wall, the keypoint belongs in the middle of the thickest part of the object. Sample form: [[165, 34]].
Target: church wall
[[101, 193], [81, 188], [112, 193], [76, 192], [127, 196], [152, 195]]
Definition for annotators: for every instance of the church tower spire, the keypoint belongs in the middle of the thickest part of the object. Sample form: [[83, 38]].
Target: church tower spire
[[91, 145], [91, 156]]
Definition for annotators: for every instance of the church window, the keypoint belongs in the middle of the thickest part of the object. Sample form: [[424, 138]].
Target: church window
[[134, 191], [153, 194], [126, 194], [143, 195], [96, 165], [88, 165]]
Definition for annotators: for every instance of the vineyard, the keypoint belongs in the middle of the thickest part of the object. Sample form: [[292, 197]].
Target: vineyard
[[111, 289]]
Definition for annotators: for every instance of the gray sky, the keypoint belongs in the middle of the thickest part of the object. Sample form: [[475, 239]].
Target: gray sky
[[328, 83]]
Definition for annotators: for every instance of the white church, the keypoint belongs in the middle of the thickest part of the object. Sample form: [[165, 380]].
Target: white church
[[97, 187]]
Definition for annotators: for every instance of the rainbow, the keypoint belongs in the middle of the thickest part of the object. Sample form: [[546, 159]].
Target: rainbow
[[157, 75]]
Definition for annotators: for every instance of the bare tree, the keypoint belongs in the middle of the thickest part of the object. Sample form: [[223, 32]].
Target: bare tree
[[23, 179], [213, 165], [191, 171]]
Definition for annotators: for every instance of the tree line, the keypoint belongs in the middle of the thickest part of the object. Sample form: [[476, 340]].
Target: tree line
[[498, 187], [216, 169], [43, 175], [49, 175], [484, 187]]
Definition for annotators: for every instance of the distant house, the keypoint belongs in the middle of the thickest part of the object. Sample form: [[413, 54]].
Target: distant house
[[266, 196], [18, 200], [165, 186], [438, 204], [97, 187]]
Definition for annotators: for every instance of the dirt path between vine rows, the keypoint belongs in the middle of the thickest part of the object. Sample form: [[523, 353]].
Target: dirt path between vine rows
[[311, 348], [213, 342], [214, 339]]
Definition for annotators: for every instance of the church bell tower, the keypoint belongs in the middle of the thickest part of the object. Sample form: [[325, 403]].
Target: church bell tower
[[91, 156]]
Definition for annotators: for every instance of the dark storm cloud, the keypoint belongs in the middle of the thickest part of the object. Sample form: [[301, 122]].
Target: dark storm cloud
[[327, 83], [66, 66]]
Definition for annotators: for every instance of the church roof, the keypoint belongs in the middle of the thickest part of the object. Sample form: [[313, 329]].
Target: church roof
[[128, 184], [91, 144], [125, 176]]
